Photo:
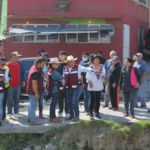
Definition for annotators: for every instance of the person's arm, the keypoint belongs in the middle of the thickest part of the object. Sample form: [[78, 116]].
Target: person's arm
[[23, 72], [56, 76], [35, 89], [117, 77], [82, 84], [89, 78], [144, 67], [120, 80], [138, 75], [86, 69], [9, 76], [6, 77], [144, 75]]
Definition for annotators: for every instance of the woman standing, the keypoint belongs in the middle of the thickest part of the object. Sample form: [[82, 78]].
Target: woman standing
[[129, 91], [95, 85], [54, 86]]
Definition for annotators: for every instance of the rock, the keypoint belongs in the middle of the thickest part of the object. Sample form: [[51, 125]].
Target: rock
[[38, 147], [27, 148], [50, 147]]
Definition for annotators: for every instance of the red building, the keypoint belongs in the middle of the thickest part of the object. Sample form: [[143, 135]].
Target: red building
[[127, 19]]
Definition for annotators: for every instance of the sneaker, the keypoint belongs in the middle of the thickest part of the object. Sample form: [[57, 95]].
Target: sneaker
[[86, 112], [41, 116], [67, 115], [17, 115], [6, 120], [105, 106], [97, 116], [132, 116], [28, 120], [142, 106], [125, 115], [91, 117], [35, 123], [55, 120], [70, 118], [60, 115], [111, 108], [0, 124], [136, 106], [9, 116], [115, 109], [76, 118]]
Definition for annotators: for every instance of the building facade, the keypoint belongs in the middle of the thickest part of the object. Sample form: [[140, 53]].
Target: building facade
[[129, 18]]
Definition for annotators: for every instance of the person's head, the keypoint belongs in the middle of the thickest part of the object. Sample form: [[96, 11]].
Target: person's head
[[41, 52], [112, 54], [85, 56], [17, 54], [96, 60], [13, 58], [128, 62], [54, 63], [71, 61], [40, 63], [90, 57], [100, 53], [45, 56], [62, 56], [3, 62], [139, 57], [115, 60]]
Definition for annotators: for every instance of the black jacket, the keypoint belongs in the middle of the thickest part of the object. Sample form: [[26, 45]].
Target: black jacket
[[125, 79], [115, 74], [61, 68]]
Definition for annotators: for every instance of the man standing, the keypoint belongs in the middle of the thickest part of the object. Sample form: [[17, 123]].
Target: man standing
[[45, 56], [84, 84], [3, 78], [114, 82], [72, 74], [6, 88], [62, 96], [100, 53], [22, 75], [14, 86], [108, 65], [142, 67], [34, 89]]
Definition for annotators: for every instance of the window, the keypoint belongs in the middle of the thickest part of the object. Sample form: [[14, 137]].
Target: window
[[145, 2], [52, 38], [101, 37], [140, 36]]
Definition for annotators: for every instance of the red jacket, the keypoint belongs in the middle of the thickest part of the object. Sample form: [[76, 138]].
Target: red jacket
[[29, 88]]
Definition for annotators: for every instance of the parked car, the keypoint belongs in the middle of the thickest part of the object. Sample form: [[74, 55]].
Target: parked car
[[28, 62], [145, 48]]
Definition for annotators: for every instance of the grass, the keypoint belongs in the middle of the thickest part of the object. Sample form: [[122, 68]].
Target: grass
[[121, 131]]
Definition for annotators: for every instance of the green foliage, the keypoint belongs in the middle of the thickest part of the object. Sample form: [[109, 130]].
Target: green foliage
[[72, 146]]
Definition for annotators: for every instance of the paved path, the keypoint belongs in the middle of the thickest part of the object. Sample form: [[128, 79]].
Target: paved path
[[22, 126]]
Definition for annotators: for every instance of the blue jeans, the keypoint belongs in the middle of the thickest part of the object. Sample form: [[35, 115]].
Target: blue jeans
[[41, 97], [142, 90], [1, 106], [5, 102], [13, 95], [86, 97], [72, 98], [55, 98], [129, 98], [19, 96], [32, 108]]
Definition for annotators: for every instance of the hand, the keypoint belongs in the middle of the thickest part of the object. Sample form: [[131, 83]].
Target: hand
[[141, 81], [36, 96], [103, 77], [104, 81], [137, 85], [2, 79], [83, 85], [114, 85], [23, 84], [96, 71], [90, 84]]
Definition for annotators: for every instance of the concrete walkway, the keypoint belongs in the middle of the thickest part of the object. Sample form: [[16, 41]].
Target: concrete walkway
[[22, 126]]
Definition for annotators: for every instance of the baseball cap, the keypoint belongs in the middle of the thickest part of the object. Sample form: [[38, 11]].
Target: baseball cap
[[16, 53], [45, 54], [139, 54], [115, 58], [42, 50]]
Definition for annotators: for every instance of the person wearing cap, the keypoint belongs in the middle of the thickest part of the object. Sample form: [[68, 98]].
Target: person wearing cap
[[114, 76], [83, 87], [46, 57], [3, 79], [14, 86], [129, 91], [142, 67], [54, 86], [95, 84], [34, 89], [108, 65], [100, 53], [62, 95], [72, 74], [41, 52], [22, 75], [3, 65]]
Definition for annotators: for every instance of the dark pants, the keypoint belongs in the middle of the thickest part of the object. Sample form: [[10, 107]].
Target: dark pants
[[5, 103], [55, 98], [114, 96], [41, 97], [129, 97], [62, 96], [93, 98], [19, 96]]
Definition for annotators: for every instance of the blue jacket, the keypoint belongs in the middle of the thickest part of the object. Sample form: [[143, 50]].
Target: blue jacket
[[22, 72]]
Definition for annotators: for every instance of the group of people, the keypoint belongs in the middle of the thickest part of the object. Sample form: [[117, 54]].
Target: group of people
[[64, 80]]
